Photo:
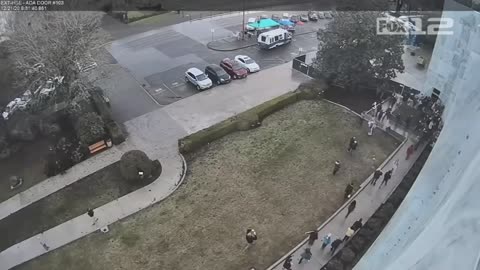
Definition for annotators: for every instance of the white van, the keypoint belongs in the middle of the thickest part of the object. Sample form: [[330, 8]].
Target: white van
[[274, 38]]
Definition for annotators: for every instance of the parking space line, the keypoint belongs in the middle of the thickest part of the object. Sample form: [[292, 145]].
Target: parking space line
[[175, 94], [145, 90]]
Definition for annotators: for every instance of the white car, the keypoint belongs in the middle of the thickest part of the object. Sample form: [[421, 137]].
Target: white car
[[250, 20], [248, 63], [198, 78]]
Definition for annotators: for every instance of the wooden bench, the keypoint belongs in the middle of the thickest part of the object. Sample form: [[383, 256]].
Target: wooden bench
[[96, 147]]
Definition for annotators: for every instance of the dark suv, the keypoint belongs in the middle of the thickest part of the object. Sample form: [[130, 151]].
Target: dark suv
[[217, 74], [233, 68]]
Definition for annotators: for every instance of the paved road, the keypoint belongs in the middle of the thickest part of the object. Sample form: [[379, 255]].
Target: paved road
[[155, 61]]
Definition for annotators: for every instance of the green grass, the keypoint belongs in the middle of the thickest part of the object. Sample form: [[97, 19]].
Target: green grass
[[276, 178]]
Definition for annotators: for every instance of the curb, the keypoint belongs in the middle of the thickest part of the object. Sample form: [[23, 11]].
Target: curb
[[209, 44], [362, 187]]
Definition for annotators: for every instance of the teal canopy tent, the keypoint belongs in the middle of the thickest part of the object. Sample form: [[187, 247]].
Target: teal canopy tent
[[264, 24]]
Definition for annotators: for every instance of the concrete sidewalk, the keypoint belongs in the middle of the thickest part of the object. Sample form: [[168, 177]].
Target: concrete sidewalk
[[156, 134], [368, 198]]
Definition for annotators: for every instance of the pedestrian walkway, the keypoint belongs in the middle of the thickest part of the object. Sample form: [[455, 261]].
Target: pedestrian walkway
[[369, 198], [156, 134]]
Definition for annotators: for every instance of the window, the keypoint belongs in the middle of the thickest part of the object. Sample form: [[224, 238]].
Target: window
[[190, 74], [263, 38], [241, 60], [276, 38]]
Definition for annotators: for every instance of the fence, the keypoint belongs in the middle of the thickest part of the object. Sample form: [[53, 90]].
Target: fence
[[303, 63]]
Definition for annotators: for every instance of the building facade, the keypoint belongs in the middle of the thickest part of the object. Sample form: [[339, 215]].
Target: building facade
[[437, 226]]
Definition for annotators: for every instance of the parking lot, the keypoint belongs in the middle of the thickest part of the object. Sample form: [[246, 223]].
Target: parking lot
[[159, 58]]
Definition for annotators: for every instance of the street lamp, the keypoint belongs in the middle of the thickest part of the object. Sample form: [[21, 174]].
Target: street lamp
[[243, 20]]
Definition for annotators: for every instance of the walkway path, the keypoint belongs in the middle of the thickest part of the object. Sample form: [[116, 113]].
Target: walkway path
[[157, 134], [368, 198]]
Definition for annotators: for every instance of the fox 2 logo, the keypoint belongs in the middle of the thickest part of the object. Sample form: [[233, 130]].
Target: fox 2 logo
[[436, 26]]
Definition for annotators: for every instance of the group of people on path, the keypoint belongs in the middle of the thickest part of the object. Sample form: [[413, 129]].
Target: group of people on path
[[306, 255]]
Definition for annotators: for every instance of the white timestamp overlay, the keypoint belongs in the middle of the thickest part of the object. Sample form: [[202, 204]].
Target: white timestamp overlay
[[29, 5]]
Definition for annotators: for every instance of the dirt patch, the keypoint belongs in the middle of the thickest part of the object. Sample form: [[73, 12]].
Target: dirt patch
[[276, 178], [92, 191]]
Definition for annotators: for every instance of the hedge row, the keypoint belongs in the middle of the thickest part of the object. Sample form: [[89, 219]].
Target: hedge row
[[114, 130], [248, 119]]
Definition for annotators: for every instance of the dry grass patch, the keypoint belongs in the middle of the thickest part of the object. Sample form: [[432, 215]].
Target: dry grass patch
[[276, 179]]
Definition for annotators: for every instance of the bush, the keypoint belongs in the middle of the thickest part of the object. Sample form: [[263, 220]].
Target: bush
[[90, 128], [133, 162], [115, 133], [65, 154]]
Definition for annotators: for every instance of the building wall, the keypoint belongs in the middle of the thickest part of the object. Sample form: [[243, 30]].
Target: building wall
[[438, 224]]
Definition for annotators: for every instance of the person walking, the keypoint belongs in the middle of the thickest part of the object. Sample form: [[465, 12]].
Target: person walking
[[380, 115], [91, 214], [348, 191], [351, 207], [388, 113], [287, 264], [336, 167], [351, 143], [410, 151], [306, 255], [357, 225], [251, 237], [371, 127], [408, 121], [327, 239], [386, 177], [312, 237], [350, 232], [335, 244], [376, 176]]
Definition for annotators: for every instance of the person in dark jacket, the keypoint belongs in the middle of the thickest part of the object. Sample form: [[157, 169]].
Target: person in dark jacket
[[336, 167], [335, 244], [357, 225], [312, 237], [251, 237], [351, 144], [351, 207], [386, 177], [348, 191], [306, 255], [287, 264], [376, 176]]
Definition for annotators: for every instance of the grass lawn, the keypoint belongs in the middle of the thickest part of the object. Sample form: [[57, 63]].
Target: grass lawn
[[276, 179], [92, 191]]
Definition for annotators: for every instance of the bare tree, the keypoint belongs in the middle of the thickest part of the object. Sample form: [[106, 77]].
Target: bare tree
[[46, 45]]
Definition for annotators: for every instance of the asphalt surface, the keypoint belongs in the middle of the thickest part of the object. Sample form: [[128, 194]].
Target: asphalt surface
[[153, 63]]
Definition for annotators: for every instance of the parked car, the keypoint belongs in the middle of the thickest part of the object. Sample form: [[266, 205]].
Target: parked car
[[321, 15], [294, 19], [196, 77], [250, 20], [328, 15], [247, 63], [276, 17], [285, 16], [303, 18], [287, 25], [312, 16], [263, 16], [217, 74], [233, 68]]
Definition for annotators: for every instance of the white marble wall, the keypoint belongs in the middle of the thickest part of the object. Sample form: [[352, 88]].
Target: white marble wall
[[438, 224]]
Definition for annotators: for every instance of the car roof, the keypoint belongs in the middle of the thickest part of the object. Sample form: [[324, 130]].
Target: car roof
[[195, 71], [242, 56], [215, 67], [227, 60]]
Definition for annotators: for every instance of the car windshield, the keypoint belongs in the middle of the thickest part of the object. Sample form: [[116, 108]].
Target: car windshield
[[236, 66], [201, 77], [249, 61]]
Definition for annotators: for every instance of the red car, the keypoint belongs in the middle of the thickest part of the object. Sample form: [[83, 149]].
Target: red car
[[233, 68]]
